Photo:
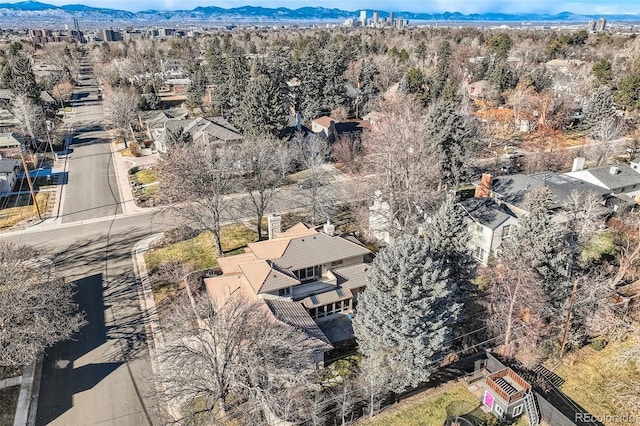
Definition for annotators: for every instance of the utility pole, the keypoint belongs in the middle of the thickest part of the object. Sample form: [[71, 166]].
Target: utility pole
[[568, 320], [49, 129], [33, 195]]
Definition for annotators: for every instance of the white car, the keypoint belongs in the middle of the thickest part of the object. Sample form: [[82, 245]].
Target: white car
[[513, 154]]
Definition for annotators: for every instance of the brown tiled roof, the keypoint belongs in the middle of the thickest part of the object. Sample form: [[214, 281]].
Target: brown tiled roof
[[230, 264], [324, 121], [297, 230], [263, 278], [221, 287], [271, 249], [294, 314]]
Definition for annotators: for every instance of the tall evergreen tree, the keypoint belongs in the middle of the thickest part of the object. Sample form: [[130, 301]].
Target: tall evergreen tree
[[448, 136], [263, 109], [17, 75], [600, 106], [335, 90], [446, 233], [538, 239], [196, 89], [368, 90], [408, 309]]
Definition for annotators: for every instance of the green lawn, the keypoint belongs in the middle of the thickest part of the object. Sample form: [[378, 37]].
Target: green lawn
[[146, 177], [432, 410], [596, 379], [199, 252]]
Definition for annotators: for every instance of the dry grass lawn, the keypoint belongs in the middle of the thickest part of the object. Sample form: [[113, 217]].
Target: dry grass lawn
[[13, 215], [146, 177], [428, 410], [596, 379], [199, 252]]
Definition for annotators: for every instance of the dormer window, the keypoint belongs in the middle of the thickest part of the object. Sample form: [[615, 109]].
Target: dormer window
[[284, 292]]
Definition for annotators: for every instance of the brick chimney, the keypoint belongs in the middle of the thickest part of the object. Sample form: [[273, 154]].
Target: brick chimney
[[484, 190]]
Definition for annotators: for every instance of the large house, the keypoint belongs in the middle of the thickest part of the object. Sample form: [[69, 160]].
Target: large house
[[618, 179], [308, 279], [212, 130], [490, 223]]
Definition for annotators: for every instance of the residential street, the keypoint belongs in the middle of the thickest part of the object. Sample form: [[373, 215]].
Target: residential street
[[92, 191], [102, 375]]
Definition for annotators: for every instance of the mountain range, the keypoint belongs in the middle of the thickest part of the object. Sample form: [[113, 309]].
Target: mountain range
[[35, 11]]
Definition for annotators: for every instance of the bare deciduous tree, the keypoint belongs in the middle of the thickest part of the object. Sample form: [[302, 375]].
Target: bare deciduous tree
[[398, 149], [312, 153], [122, 104], [195, 178], [224, 361], [36, 308], [516, 301], [264, 172]]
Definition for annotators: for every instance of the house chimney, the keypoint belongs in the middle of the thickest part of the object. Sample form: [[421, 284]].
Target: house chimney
[[613, 170], [578, 164], [484, 190], [274, 224], [329, 229]]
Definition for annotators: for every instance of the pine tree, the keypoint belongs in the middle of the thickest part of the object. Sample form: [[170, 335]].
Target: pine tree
[[602, 72], [368, 89], [407, 309], [628, 93], [446, 233], [599, 106], [538, 241], [263, 109], [448, 136], [17, 75], [335, 90], [196, 89]]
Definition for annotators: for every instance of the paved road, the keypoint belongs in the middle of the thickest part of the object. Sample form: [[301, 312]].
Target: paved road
[[92, 190]]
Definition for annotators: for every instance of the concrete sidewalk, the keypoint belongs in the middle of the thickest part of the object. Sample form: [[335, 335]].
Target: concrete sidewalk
[[127, 200], [154, 335]]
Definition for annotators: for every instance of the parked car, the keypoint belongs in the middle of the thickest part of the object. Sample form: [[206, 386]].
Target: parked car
[[633, 149], [512, 155]]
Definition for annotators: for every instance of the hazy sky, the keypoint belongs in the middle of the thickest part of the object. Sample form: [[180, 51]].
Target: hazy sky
[[465, 6]]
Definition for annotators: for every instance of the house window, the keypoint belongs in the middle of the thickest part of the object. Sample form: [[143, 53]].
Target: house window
[[313, 312], [284, 292], [336, 264], [499, 410], [518, 410], [308, 274], [506, 231], [478, 253]]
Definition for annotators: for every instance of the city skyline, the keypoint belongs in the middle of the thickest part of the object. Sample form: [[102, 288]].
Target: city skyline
[[589, 7]]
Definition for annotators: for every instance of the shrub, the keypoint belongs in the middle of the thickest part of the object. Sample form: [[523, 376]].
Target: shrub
[[180, 233], [134, 170]]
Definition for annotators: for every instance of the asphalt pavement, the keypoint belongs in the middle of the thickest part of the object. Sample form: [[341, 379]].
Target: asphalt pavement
[[92, 190]]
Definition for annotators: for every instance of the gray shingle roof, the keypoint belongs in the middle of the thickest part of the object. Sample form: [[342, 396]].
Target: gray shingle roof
[[351, 277], [303, 252], [487, 212], [7, 165], [624, 178], [513, 189], [294, 314]]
